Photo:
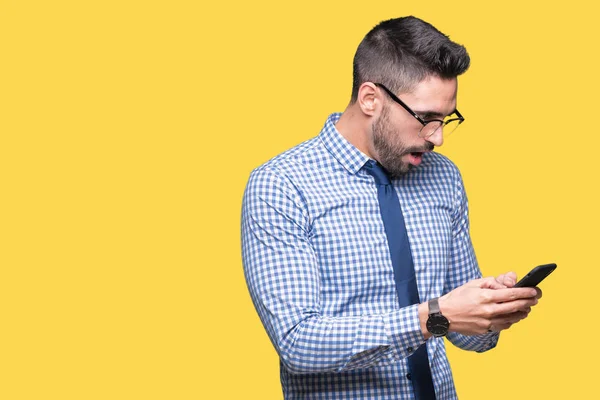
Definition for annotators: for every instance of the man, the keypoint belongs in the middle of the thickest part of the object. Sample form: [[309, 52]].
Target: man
[[356, 243]]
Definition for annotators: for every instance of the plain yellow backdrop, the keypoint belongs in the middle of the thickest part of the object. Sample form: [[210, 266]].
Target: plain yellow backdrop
[[128, 130]]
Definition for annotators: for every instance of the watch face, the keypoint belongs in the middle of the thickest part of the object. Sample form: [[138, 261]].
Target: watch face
[[438, 325]]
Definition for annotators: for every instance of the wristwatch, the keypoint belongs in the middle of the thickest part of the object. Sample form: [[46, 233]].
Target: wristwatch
[[437, 324]]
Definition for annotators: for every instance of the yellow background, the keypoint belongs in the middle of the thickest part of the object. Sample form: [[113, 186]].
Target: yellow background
[[127, 133]]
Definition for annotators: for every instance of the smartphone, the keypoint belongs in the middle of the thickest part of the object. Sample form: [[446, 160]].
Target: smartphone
[[536, 275]]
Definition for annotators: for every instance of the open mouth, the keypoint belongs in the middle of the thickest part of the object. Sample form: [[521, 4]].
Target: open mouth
[[416, 158]]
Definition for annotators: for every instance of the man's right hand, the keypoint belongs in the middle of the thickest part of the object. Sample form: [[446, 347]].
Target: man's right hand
[[485, 304]]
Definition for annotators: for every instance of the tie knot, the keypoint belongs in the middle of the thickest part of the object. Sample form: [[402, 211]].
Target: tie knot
[[376, 171]]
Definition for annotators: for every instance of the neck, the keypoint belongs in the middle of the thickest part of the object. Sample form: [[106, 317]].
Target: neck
[[355, 128]]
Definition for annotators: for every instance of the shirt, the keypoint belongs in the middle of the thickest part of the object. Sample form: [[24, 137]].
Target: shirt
[[319, 272]]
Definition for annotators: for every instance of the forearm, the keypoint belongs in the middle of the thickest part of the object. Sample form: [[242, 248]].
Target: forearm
[[319, 344], [464, 269]]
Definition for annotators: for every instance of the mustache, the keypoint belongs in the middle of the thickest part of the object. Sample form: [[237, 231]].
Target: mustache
[[428, 147]]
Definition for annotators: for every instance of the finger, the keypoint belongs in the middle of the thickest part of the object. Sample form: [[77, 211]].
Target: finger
[[499, 327], [511, 307], [490, 283], [507, 281], [539, 293], [509, 318], [500, 280], [510, 278], [511, 294]]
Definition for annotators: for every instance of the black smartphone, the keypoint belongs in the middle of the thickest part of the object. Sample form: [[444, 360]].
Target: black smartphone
[[536, 275]]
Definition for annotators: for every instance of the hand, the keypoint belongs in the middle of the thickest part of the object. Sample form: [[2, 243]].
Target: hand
[[508, 279], [483, 304], [506, 321]]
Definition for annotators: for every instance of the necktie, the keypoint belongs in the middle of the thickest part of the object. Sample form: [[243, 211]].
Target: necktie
[[404, 272]]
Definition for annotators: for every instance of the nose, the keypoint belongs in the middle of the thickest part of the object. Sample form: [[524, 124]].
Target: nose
[[437, 139]]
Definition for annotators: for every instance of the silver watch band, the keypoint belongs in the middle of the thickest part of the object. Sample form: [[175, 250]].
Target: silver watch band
[[434, 306]]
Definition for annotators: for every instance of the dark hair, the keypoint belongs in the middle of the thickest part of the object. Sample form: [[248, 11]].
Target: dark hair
[[401, 52]]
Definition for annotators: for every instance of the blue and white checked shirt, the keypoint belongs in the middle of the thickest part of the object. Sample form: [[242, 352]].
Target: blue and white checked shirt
[[319, 271]]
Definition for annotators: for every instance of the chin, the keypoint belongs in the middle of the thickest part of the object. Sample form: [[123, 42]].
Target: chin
[[399, 170]]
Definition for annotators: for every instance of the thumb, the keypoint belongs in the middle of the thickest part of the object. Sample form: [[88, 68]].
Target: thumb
[[490, 283]]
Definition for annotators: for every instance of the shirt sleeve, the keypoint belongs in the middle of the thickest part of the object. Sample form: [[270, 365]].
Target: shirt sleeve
[[282, 274], [464, 268]]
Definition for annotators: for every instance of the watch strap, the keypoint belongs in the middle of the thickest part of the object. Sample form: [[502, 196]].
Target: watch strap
[[434, 306]]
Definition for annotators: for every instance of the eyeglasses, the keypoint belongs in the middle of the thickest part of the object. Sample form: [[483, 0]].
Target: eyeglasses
[[448, 124]]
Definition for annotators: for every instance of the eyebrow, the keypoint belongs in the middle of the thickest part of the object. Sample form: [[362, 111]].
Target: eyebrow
[[430, 113]]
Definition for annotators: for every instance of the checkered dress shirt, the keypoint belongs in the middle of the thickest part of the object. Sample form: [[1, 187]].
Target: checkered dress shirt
[[319, 271]]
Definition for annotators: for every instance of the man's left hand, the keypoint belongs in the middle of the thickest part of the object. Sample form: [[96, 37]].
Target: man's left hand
[[509, 280]]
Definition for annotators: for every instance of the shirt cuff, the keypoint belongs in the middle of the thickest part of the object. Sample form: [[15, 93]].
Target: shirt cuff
[[404, 329], [491, 340]]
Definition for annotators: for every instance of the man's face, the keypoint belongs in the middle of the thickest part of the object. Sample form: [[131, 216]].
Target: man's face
[[395, 133]]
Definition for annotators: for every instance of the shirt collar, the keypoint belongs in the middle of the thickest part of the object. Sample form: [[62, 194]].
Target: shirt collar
[[343, 151]]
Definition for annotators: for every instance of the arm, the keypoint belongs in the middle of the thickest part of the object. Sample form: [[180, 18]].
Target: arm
[[282, 274], [464, 268]]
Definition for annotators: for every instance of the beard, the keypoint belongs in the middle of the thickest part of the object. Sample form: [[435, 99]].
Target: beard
[[390, 148]]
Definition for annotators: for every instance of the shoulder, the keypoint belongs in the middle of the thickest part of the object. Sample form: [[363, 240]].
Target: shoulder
[[293, 158], [440, 161], [438, 166], [279, 173]]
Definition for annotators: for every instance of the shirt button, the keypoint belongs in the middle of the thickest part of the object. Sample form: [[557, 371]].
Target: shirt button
[[408, 376], [409, 349]]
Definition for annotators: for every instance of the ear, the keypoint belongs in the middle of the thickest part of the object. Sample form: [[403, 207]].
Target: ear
[[368, 98]]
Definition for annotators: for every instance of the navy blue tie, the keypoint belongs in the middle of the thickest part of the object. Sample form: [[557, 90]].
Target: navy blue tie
[[404, 272]]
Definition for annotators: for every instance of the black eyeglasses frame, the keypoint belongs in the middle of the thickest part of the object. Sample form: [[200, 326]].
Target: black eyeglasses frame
[[423, 122]]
